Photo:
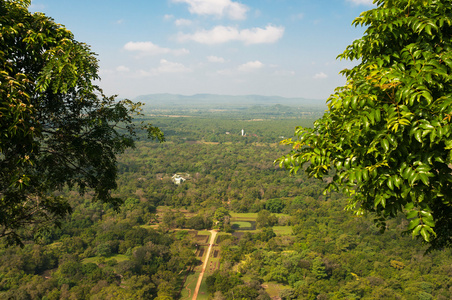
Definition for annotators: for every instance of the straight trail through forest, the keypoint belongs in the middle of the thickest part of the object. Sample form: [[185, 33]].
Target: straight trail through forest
[[213, 235]]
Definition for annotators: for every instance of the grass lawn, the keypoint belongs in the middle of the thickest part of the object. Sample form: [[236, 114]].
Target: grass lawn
[[153, 226], [242, 224], [203, 232], [90, 260], [203, 294], [249, 216], [243, 216], [190, 285], [192, 279]]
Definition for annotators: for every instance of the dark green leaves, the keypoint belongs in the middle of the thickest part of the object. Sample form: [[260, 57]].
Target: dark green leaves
[[57, 129], [387, 132]]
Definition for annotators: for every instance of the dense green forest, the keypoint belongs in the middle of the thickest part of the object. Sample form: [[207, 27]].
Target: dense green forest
[[92, 209], [148, 249]]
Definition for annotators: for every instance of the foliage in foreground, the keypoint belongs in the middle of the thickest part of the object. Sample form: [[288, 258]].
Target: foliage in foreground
[[387, 133], [57, 129]]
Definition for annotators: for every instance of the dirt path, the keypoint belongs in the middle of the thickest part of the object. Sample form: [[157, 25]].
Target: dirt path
[[213, 234]]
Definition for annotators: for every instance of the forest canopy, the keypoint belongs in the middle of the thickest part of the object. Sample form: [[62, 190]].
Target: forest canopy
[[57, 128], [386, 135]]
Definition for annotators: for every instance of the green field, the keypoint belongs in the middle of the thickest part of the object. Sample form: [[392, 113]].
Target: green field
[[203, 232], [243, 221], [242, 224], [249, 216], [243, 216], [189, 286], [203, 294]]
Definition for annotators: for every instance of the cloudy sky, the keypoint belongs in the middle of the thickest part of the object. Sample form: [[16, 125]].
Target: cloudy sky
[[235, 47]]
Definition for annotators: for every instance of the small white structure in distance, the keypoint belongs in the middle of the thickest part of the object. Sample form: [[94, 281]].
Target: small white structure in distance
[[178, 179], [243, 132]]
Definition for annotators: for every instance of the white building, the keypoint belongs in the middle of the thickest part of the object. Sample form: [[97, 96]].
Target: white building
[[177, 179]]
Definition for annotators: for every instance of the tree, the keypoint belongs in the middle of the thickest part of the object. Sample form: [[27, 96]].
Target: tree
[[57, 129], [386, 136], [265, 219], [318, 268], [274, 205], [221, 217], [266, 234]]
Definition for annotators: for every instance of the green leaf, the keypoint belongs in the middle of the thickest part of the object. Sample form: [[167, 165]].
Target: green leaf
[[426, 215], [418, 136], [412, 214], [377, 115], [407, 173], [416, 230], [397, 180], [413, 178], [354, 102], [424, 178], [365, 175], [385, 145], [425, 233], [401, 134], [377, 200], [414, 223], [428, 222]]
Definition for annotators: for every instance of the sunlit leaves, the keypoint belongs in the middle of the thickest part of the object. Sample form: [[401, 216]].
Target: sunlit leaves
[[392, 119]]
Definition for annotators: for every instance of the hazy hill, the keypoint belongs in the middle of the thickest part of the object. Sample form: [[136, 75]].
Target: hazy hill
[[226, 101]]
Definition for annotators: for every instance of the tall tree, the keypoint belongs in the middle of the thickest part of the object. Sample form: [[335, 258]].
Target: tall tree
[[57, 128], [386, 136], [221, 217]]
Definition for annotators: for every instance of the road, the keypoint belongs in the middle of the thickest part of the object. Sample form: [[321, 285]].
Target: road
[[213, 235]]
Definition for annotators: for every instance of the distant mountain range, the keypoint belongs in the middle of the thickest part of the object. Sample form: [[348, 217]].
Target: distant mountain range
[[226, 101]]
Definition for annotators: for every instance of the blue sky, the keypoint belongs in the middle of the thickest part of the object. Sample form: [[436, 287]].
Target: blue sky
[[236, 47]]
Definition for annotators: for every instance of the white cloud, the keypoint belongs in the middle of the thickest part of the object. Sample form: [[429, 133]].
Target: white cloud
[[148, 48], [122, 69], [258, 35], [170, 67], [320, 75], [223, 34], [183, 22], [168, 17], [219, 8], [250, 66], [363, 2], [215, 59]]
